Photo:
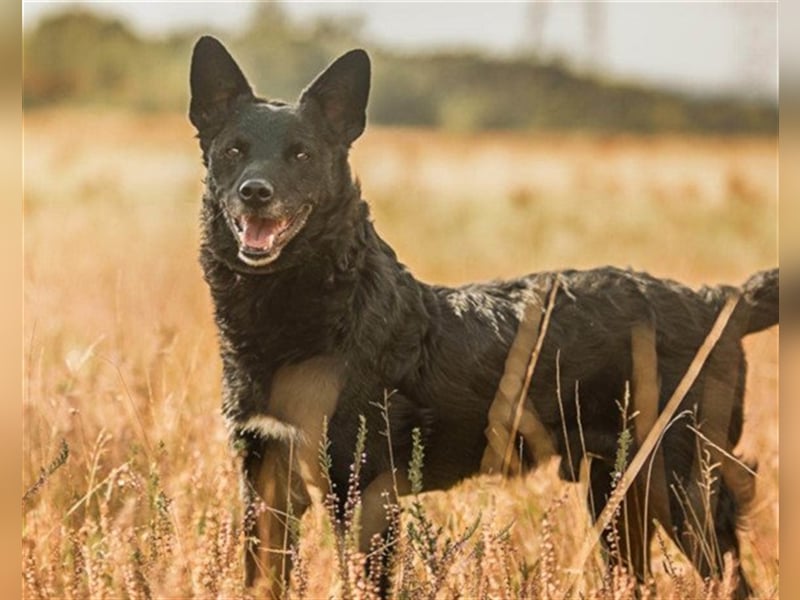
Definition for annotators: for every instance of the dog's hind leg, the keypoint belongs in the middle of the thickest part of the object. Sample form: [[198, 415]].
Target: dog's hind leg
[[726, 520], [628, 537], [626, 541], [712, 493], [277, 498], [707, 539]]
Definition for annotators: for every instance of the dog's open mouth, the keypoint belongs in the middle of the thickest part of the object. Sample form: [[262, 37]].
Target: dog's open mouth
[[261, 239]]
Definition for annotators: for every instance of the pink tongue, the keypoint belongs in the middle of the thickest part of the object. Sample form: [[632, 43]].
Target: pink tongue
[[260, 233]]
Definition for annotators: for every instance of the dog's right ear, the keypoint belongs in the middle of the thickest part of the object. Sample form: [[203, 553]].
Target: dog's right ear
[[216, 83]]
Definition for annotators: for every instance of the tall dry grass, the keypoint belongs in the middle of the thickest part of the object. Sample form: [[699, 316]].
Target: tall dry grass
[[122, 367]]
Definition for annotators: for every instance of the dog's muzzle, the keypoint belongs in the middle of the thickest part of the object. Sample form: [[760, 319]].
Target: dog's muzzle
[[261, 239]]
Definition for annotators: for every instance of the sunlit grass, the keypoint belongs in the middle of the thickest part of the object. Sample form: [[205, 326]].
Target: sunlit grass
[[121, 358]]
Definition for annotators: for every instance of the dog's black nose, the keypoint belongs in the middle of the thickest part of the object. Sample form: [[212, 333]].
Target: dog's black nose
[[255, 191]]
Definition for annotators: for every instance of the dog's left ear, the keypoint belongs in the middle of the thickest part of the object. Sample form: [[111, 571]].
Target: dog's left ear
[[341, 92]]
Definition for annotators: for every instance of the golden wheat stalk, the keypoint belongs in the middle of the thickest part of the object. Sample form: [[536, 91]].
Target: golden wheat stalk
[[509, 414], [528, 375]]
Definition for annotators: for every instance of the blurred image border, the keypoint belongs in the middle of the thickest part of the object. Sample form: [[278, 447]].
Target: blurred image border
[[789, 236], [11, 303]]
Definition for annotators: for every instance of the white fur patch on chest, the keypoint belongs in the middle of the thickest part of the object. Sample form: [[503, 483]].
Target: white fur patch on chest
[[302, 398]]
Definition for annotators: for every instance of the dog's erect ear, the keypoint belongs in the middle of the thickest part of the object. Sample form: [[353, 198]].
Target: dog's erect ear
[[216, 82], [341, 92]]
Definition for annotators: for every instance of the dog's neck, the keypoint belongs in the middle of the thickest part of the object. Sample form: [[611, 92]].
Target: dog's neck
[[328, 306]]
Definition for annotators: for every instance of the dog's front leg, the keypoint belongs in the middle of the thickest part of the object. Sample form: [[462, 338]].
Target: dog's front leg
[[275, 499], [381, 493]]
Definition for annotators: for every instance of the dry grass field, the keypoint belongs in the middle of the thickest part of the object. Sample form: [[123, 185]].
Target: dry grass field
[[122, 367]]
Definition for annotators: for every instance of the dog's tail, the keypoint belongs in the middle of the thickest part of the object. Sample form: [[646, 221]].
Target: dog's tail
[[758, 303], [760, 296]]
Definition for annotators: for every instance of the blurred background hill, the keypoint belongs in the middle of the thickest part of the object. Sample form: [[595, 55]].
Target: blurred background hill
[[79, 55]]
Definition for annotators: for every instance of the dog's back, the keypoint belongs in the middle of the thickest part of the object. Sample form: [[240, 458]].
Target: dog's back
[[588, 342]]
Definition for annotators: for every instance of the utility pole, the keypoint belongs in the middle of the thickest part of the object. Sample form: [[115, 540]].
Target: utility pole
[[536, 14], [756, 40], [594, 32]]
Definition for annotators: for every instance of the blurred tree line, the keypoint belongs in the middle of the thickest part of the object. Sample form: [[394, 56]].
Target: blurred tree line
[[80, 57]]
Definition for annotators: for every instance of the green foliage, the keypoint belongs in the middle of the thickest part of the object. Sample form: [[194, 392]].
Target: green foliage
[[79, 57], [624, 443], [415, 465]]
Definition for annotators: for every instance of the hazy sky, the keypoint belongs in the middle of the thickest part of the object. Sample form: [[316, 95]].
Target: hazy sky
[[697, 46]]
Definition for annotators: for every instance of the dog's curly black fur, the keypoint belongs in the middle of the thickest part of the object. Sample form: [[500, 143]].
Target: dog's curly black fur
[[336, 290]]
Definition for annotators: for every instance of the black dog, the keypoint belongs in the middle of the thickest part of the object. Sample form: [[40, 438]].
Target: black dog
[[318, 321]]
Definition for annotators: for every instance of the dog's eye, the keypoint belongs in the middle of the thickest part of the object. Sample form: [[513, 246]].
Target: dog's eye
[[301, 155], [233, 152]]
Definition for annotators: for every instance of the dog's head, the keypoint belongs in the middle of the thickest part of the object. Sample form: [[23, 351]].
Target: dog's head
[[274, 169]]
